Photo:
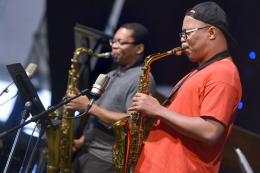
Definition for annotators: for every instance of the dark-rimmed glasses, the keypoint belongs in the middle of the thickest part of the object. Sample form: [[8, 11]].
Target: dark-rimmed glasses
[[184, 34], [120, 42]]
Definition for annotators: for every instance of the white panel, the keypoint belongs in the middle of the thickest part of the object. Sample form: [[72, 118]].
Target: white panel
[[19, 20]]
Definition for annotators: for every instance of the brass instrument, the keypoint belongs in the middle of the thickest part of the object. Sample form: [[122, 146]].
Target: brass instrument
[[130, 133], [60, 136]]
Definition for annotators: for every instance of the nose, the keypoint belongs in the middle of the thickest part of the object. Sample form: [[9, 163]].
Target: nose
[[116, 44], [183, 43], [182, 40]]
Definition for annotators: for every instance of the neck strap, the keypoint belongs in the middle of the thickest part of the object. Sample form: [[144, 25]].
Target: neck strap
[[215, 58]]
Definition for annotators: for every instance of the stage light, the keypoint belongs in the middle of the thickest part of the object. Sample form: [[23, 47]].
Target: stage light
[[240, 106], [252, 55]]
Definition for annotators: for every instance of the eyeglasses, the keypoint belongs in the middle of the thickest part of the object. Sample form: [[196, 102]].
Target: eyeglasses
[[120, 42], [185, 33]]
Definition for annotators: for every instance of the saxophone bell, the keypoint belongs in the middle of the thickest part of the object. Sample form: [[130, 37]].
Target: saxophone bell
[[60, 137], [131, 133]]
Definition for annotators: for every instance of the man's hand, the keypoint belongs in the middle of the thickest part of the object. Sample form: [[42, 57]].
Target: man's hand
[[78, 143], [78, 104], [145, 104]]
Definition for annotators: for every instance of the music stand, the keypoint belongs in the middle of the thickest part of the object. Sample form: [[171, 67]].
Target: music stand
[[28, 94], [25, 88], [89, 37], [98, 41]]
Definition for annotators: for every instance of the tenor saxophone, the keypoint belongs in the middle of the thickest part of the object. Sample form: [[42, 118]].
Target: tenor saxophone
[[60, 136], [131, 133]]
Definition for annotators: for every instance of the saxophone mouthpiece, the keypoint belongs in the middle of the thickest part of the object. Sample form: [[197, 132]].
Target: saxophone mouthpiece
[[105, 55], [177, 51]]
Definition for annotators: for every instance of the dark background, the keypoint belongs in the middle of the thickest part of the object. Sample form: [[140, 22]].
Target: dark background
[[164, 21]]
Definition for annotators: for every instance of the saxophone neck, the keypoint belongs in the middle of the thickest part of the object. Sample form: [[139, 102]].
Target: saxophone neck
[[90, 52], [177, 51], [151, 58]]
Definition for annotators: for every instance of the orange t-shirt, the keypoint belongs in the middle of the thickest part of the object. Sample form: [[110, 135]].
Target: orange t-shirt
[[214, 91]]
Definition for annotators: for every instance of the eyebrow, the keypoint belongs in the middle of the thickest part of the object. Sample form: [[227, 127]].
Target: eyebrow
[[189, 29]]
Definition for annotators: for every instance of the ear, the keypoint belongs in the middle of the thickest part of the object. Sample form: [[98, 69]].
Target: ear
[[212, 33], [140, 49]]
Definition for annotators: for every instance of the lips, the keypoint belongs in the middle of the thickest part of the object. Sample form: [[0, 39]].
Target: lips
[[186, 49], [116, 55]]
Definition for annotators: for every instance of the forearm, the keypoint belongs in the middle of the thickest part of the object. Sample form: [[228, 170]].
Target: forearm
[[105, 115], [204, 130]]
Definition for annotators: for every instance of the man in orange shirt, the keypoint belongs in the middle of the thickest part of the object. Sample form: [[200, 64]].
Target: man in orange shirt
[[190, 132]]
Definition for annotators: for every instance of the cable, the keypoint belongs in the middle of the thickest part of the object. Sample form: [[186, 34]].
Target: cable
[[27, 149], [8, 100]]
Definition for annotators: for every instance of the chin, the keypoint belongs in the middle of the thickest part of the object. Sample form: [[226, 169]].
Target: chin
[[116, 59], [192, 59]]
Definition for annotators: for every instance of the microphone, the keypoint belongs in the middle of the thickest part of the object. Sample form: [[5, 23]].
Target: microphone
[[99, 87], [97, 90], [30, 70]]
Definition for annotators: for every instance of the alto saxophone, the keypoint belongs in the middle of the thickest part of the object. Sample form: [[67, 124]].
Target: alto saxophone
[[130, 133], [60, 136]]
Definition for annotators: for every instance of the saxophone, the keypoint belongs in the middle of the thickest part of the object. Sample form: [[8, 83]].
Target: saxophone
[[60, 134], [131, 133]]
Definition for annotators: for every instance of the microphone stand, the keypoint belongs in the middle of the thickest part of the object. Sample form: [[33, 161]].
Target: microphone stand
[[29, 165], [40, 116], [43, 128], [243, 162], [6, 89], [25, 115], [44, 113]]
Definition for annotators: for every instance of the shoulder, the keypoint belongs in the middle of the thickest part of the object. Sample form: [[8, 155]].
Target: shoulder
[[135, 70], [222, 72], [113, 72]]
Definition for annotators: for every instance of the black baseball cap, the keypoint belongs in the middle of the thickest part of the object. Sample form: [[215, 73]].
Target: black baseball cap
[[211, 13]]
